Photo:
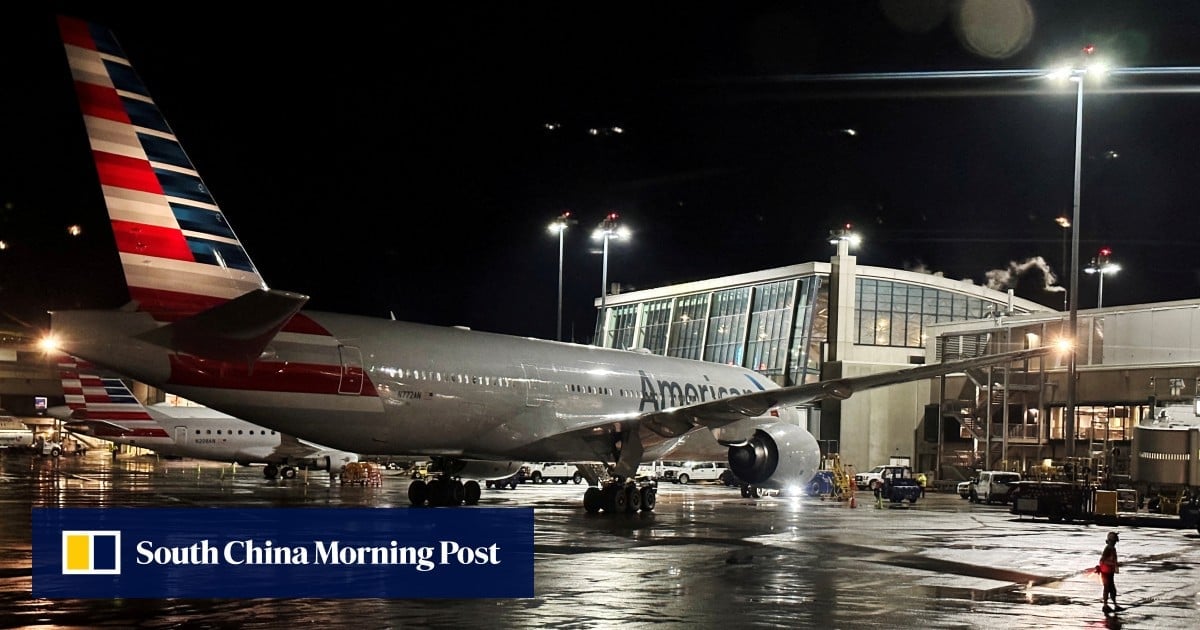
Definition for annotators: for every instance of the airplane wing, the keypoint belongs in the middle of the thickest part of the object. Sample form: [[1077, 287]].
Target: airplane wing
[[715, 414], [292, 447]]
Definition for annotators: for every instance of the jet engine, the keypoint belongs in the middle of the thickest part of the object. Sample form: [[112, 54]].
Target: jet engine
[[335, 463], [778, 456]]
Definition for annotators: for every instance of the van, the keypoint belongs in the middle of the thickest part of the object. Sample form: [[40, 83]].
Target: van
[[993, 486]]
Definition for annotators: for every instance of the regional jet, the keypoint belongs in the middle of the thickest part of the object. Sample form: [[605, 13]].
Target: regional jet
[[203, 324], [104, 407]]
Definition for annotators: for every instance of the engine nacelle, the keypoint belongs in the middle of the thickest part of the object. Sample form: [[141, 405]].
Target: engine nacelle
[[334, 462], [778, 456]]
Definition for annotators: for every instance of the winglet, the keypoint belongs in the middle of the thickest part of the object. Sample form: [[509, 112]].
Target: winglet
[[239, 329]]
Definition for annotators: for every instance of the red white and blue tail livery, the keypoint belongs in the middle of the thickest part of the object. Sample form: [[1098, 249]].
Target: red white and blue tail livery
[[203, 325]]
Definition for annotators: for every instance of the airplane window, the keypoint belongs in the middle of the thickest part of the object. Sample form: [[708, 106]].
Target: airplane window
[[239, 431], [197, 431], [218, 432], [208, 431]]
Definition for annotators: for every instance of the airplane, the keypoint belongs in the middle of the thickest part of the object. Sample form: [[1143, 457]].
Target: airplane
[[105, 408], [203, 323]]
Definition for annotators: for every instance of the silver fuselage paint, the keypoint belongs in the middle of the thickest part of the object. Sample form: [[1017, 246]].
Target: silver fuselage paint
[[441, 391]]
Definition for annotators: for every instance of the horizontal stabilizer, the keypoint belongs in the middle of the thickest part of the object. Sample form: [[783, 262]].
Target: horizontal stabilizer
[[236, 330]]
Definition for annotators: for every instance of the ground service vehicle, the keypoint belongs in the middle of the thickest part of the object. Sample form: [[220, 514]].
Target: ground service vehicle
[[898, 484], [993, 486], [1162, 470], [511, 481], [15, 433], [702, 471], [869, 479], [558, 472]]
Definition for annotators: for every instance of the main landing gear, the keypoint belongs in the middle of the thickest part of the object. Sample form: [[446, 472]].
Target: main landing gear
[[443, 491], [619, 495], [272, 471]]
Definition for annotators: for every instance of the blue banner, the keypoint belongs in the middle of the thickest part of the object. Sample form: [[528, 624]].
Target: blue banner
[[282, 552]]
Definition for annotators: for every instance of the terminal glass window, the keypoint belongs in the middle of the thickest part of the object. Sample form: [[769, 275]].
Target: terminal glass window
[[811, 330], [770, 327], [624, 318], [895, 313], [656, 318], [727, 326], [687, 327]]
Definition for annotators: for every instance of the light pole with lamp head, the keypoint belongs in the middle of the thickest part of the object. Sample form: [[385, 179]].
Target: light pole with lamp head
[[1076, 74], [1065, 224], [1100, 266], [608, 229], [559, 226]]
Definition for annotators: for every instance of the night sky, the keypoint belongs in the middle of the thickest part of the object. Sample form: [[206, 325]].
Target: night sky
[[399, 161]]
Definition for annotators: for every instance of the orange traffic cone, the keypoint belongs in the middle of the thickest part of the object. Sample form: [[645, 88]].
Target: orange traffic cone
[[853, 503]]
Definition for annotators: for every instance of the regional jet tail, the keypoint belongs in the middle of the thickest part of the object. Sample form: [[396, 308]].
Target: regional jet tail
[[104, 407], [203, 324]]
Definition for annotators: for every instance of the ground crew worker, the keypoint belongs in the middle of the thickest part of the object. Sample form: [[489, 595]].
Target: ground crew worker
[[1108, 568], [879, 494], [921, 481]]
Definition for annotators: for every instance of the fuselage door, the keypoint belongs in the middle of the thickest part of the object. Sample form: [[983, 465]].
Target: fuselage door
[[181, 435], [352, 371], [534, 396]]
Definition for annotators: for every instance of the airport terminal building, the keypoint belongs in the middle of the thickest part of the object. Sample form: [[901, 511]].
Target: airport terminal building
[[817, 320]]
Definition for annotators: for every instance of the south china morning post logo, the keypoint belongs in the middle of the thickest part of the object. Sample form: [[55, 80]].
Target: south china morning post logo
[[91, 552], [282, 552]]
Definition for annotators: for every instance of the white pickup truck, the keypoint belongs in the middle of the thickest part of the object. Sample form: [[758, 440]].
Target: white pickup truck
[[871, 478], [702, 471], [558, 472]]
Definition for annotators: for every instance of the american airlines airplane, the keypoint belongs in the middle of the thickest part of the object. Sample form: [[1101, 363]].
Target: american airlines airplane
[[104, 407], [202, 323]]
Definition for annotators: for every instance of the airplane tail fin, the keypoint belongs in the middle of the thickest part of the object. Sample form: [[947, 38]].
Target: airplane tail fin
[[103, 406], [180, 256]]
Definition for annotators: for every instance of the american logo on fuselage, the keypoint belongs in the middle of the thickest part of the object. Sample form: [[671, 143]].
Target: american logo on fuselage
[[659, 394]]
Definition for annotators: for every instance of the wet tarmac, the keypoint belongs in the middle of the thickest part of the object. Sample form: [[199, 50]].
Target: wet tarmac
[[706, 557]]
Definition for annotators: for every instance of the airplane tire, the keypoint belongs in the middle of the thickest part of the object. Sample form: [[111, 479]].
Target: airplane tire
[[437, 492], [633, 499], [458, 492], [471, 492], [289, 472], [745, 492], [649, 498], [418, 492], [271, 471], [617, 501], [593, 499]]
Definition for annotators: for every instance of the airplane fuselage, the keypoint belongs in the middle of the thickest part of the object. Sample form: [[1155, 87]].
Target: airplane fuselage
[[377, 386]]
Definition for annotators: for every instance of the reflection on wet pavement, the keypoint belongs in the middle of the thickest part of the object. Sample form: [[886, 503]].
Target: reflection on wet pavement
[[704, 558]]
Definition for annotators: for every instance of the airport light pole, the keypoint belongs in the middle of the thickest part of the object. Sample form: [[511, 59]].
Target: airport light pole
[[608, 229], [559, 226], [1077, 75], [1064, 223], [1100, 266]]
